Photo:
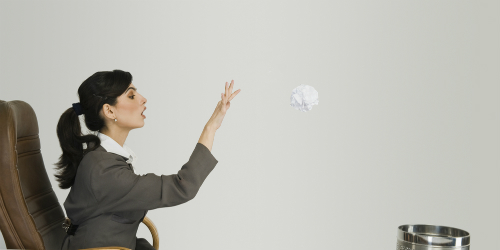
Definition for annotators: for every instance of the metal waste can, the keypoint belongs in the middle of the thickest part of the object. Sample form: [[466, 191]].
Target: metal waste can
[[430, 237]]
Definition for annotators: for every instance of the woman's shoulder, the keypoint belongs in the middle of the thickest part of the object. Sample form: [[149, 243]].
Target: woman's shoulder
[[100, 156], [98, 161]]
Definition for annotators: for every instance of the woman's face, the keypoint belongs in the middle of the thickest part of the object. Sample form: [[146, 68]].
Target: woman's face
[[128, 109]]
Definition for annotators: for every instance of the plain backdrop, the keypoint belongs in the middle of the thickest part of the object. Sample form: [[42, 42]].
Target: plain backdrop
[[406, 130]]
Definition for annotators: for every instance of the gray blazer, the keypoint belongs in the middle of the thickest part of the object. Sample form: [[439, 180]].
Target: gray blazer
[[108, 200]]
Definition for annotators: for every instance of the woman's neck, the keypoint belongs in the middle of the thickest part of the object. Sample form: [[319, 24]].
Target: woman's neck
[[119, 136]]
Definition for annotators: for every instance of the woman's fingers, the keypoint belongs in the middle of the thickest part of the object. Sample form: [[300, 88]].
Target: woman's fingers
[[228, 89], [223, 98], [234, 94]]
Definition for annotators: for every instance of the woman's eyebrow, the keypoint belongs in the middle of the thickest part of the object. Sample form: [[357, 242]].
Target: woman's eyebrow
[[131, 88]]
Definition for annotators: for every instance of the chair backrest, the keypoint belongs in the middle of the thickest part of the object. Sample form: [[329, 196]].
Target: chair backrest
[[30, 214]]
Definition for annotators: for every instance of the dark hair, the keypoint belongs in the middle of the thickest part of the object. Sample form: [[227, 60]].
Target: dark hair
[[100, 88]]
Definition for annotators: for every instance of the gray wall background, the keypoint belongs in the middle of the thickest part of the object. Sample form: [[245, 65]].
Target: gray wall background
[[406, 130]]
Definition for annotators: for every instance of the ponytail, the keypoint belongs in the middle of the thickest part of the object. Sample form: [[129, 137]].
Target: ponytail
[[71, 141]]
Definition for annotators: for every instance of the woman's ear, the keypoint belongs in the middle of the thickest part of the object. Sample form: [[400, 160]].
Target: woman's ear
[[108, 111]]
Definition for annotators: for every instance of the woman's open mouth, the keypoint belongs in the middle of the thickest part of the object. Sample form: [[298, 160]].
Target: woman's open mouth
[[143, 112]]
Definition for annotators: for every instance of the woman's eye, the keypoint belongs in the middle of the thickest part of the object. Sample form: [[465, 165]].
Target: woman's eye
[[132, 96]]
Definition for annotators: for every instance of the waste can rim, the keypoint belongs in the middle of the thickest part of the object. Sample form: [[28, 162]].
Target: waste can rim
[[433, 235]]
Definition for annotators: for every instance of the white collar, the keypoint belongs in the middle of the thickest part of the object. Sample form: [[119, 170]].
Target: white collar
[[113, 147]]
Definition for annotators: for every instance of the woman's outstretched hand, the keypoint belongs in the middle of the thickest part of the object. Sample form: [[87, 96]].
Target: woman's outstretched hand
[[222, 107]]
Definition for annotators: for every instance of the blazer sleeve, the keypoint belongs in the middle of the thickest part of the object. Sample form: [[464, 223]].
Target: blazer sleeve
[[117, 188]]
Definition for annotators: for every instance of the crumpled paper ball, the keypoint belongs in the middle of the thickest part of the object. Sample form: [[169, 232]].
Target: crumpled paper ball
[[304, 97]]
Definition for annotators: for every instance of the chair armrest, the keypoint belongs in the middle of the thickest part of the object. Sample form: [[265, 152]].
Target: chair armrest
[[154, 232]]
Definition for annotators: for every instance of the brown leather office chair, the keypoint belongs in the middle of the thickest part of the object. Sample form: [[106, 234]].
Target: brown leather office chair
[[30, 214]]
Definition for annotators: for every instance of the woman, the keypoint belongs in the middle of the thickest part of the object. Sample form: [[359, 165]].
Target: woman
[[107, 200]]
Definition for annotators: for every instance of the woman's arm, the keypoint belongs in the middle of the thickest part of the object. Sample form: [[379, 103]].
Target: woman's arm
[[116, 188], [207, 137]]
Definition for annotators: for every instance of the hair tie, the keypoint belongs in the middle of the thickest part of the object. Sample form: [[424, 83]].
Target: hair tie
[[78, 108]]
